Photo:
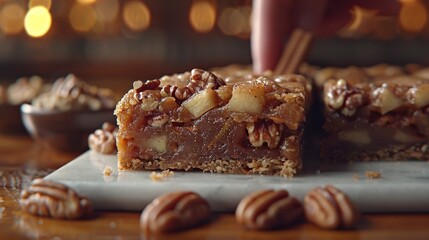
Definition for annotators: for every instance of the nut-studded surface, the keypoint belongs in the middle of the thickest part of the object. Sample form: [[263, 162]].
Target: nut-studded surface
[[174, 211], [330, 208], [198, 119], [50, 199], [379, 112], [268, 209]]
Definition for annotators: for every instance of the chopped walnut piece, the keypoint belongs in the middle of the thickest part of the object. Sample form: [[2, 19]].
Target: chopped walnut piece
[[372, 174]]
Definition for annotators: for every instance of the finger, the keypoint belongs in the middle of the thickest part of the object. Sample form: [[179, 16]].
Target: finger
[[337, 15], [383, 7], [308, 14], [269, 30]]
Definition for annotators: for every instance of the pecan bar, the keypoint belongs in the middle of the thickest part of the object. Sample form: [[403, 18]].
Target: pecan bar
[[230, 121], [375, 113]]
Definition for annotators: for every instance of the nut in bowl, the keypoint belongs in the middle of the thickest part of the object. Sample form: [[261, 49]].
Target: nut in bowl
[[23, 90], [63, 118]]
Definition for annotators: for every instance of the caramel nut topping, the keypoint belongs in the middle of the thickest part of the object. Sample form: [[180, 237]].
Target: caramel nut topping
[[103, 140], [168, 104], [50, 199], [268, 209], [199, 80], [174, 212], [139, 86], [329, 208], [341, 96]]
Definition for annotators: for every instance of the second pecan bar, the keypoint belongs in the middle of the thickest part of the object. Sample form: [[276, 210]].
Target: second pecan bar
[[228, 122], [375, 113]]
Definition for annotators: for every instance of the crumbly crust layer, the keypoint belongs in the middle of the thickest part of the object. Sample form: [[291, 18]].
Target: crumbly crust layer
[[263, 166]]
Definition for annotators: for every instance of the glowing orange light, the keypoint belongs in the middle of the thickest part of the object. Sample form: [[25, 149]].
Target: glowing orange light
[[413, 15], [363, 22], [136, 15], [107, 10], [202, 16], [86, 1], [82, 17], [44, 3], [232, 22], [12, 18], [37, 21]]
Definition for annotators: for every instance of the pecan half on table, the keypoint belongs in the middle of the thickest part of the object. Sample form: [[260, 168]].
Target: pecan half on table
[[268, 209], [330, 208], [51, 199], [174, 211]]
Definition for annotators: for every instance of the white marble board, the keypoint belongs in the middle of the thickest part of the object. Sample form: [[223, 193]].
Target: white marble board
[[403, 187]]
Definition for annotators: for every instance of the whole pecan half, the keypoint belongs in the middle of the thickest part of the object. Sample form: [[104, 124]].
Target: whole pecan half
[[264, 132], [341, 96], [268, 209], [103, 140], [51, 199], [174, 211], [330, 208]]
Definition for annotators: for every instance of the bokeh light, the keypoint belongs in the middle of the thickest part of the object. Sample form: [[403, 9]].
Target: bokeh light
[[12, 18], [202, 15], [235, 21], [86, 1], [107, 10], [44, 3], [363, 22], [413, 15], [37, 21], [136, 15], [82, 17]]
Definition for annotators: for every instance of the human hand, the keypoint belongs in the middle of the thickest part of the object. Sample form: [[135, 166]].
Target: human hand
[[273, 21]]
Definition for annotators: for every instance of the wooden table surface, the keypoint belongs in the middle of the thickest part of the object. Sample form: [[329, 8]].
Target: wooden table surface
[[21, 159]]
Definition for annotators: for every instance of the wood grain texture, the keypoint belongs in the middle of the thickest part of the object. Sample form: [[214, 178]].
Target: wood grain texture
[[15, 224]]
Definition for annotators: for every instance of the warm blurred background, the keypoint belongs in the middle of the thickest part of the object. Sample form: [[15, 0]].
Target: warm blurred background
[[115, 42]]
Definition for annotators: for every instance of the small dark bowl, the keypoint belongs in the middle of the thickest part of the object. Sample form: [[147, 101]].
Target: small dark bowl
[[10, 119], [64, 130]]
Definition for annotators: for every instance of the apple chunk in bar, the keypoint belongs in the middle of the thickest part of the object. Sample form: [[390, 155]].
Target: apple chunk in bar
[[376, 119], [248, 124]]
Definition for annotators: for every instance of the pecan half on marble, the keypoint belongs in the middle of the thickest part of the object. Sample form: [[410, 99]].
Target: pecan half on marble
[[51, 199], [268, 209], [174, 211], [103, 140], [330, 208]]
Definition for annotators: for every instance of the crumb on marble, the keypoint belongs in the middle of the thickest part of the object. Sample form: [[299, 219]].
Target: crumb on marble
[[372, 174], [107, 171], [159, 176], [356, 177]]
